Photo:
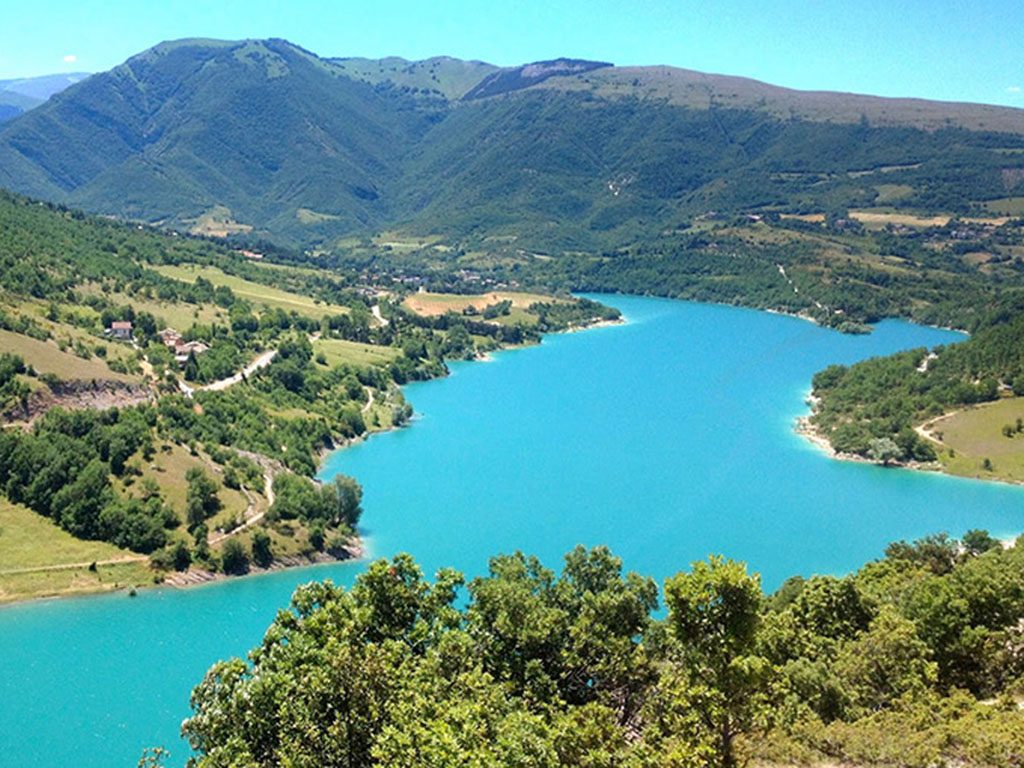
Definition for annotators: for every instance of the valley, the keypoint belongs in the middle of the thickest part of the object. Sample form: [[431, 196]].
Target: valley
[[245, 291]]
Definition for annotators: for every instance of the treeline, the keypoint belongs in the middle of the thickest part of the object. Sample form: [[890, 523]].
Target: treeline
[[62, 469], [884, 398], [914, 660]]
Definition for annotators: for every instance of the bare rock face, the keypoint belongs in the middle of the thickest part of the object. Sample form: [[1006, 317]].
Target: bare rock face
[[75, 394]]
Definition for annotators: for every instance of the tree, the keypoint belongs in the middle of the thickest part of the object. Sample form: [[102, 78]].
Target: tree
[[191, 369], [714, 618], [885, 663], [233, 559], [200, 534], [201, 500], [976, 542], [348, 496], [884, 450], [77, 506], [261, 549], [181, 558]]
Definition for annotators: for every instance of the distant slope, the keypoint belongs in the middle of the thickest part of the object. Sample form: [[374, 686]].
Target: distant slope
[[261, 128], [21, 95], [517, 78], [441, 76], [698, 90], [265, 138]]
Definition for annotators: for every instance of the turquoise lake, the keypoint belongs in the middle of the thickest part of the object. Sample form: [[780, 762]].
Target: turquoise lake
[[667, 438]]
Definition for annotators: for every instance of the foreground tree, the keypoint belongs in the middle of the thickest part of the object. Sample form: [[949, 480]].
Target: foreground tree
[[714, 614], [529, 667]]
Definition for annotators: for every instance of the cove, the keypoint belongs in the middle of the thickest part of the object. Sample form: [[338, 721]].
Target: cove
[[667, 438]]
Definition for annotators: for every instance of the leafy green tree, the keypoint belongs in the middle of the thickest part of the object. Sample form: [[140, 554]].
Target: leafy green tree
[[884, 450], [233, 558], [714, 618], [181, 557], [885, 663], [201, 499], [348, 496], [78, 505], [262, 553]]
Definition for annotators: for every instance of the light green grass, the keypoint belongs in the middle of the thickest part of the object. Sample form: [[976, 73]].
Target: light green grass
[[338, 351], [887, 193], [1007, 206], [30, 541], [308, 216], [168, 469], [180, 315], [46, 357], [975, 434], [217, 222], [254, 292]]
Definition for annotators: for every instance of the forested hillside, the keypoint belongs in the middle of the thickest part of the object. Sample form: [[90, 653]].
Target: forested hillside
[[262, 138], [915, 660]]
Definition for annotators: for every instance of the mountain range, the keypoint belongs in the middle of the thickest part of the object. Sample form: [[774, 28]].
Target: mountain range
[[264, 138], [20, 95]]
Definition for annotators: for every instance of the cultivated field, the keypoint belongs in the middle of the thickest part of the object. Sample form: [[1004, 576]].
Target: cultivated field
[[881, 218], [436, 304]]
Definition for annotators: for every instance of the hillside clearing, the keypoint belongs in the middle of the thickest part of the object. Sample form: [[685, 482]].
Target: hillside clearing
[[38, 559], [340, 351], [436, 304], [257, 293], [46, 357], [975, 434]]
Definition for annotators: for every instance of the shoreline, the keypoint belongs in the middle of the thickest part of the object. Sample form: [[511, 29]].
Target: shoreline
[[803, 427]]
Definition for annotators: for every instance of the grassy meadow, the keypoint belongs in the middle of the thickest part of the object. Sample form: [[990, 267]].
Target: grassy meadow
[[257, 293], [338, 351], [972, 435], [38, 559]]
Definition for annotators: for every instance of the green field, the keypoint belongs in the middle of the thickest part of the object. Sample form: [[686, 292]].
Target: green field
[[173, 314], [31, 546], [976, 434], [1007, 206], [257, 293], [46, 357], [338, 351]]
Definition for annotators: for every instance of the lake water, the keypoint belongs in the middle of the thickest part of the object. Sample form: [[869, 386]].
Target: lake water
[[667, 438]]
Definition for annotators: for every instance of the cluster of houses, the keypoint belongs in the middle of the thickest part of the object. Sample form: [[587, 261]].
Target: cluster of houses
[[181, 348]]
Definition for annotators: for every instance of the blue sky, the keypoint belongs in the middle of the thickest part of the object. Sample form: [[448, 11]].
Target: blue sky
[[940, 49]]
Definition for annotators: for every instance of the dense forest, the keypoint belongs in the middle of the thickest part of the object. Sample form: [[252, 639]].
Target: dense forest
[[914, 660]]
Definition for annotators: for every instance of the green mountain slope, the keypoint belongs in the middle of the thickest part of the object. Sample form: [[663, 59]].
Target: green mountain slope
[[266, 138], [262, 129]]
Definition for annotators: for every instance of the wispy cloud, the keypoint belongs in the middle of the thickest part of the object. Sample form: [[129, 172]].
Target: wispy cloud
[[1014, 89], [71, 59]]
